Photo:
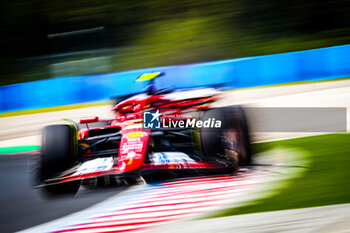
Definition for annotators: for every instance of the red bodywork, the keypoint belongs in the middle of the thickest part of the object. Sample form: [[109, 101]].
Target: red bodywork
[[135, 139]]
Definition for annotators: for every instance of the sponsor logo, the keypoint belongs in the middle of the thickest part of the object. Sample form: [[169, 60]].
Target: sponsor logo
[[134, 135], [99, 164], [131, 147], [126, 147], [162, 158]]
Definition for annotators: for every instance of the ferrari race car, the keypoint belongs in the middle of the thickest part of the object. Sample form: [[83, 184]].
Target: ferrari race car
[[155, 135]]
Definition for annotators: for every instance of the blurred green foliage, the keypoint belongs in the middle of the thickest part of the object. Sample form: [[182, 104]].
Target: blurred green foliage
[[156, 32]]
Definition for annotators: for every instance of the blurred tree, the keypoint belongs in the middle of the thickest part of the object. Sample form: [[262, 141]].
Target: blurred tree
[[158, 32]]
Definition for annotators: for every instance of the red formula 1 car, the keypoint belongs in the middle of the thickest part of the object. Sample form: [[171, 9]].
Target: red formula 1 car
[[156, 135]]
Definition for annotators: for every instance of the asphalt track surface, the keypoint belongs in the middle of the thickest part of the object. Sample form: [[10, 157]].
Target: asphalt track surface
[[139, 207], [21, 206]]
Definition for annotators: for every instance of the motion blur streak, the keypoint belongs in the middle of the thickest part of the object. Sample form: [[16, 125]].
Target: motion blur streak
[[167, 202]]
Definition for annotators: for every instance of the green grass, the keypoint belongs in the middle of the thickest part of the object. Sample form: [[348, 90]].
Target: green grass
[[18, 149], [326, 182]]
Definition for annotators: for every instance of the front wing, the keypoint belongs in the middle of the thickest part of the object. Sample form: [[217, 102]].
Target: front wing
[[106, 166]]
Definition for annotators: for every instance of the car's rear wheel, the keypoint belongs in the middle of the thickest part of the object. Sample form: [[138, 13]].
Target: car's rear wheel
[[59, 152], [231, 141]]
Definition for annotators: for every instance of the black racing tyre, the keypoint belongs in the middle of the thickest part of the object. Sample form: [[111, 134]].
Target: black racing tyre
[[59, 152], [56, 190], [232, 140]]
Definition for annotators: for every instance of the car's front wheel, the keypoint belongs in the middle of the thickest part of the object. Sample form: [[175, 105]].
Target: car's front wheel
[[59, 152]]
